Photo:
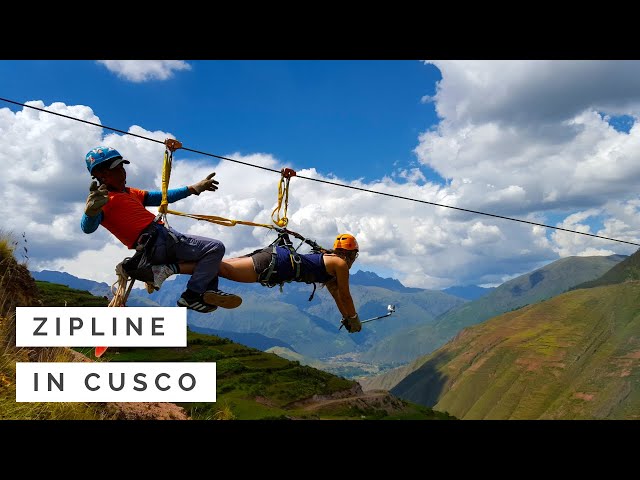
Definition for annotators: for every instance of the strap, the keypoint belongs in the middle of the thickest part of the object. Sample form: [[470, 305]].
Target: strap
[[219, 220], [314, 291], [283, 191], [295, 263], [272, 267], [171, 145]]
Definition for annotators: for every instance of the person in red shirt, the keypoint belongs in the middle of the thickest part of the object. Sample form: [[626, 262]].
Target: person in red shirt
[[121, 210]]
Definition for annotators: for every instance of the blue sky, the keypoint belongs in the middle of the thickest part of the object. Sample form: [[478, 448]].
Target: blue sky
[[553, 142], [352, 118]]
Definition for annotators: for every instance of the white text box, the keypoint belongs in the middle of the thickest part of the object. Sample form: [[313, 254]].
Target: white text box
[[101, 326], [116, 382]]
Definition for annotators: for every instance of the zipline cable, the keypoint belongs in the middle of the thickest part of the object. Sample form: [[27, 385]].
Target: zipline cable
[[401, 197]]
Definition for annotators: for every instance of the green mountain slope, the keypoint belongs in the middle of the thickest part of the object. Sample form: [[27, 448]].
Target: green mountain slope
[[390, 378], [311, 328], [628, 269], [52, 294], [575, 356], [252, 384], [308, 327], [541, 284]]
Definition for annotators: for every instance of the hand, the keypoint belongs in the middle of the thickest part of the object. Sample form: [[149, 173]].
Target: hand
[[96, 199], [352, 324], [207, 184]]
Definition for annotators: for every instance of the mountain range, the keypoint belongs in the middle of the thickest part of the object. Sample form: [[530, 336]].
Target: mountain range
[[566, 347], [574, 356], [310, 328], [468, 292], [543, 283], [423, 321]]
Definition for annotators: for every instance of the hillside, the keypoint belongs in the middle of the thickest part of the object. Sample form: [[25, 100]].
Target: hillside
[[575, 356], [53, 294], [628, 269], [256, 385], [311, 328], [541, 284], [269, 317], [390, 378], [254, 340], [18, 288], [251, 384]]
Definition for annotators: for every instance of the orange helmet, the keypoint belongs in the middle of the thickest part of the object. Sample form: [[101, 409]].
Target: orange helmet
[[346, 241]]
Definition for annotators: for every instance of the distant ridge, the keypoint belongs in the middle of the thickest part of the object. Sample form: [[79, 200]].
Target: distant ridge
[[64, 278], [370, 279], [254, 340], [541, 284], [628, 269], [468, 292]]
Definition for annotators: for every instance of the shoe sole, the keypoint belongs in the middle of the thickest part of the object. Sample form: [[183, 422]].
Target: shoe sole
[[198, 306], [227, 300]]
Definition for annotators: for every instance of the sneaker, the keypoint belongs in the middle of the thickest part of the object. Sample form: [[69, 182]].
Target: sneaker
[[160, 274], [221, 299], [195, 302]]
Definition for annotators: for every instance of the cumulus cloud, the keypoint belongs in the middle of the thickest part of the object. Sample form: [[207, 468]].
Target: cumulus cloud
[[533, 139], [572, 170], [139, 71], [533, 92], [528, 136]]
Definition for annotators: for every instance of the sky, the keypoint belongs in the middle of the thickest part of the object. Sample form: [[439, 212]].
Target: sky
[[553, 142]]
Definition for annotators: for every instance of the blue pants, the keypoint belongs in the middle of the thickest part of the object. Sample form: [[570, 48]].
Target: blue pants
[[206, 252]]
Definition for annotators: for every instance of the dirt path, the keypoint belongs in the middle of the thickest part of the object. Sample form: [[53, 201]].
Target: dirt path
[[372, 397], [353, 398]]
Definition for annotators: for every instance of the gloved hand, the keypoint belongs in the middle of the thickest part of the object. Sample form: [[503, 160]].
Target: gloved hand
[[352, 324], [96, 199], [207, 184]]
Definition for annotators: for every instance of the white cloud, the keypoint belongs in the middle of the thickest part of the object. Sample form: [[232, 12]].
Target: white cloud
[[528, 92], [579, 171], [145, 70], [527, 138]]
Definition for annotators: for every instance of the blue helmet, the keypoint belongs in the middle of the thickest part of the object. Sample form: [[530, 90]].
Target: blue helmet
[[100, 155]]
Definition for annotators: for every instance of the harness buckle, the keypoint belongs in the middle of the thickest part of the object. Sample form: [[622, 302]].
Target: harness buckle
[[143, 241], [147, 237]]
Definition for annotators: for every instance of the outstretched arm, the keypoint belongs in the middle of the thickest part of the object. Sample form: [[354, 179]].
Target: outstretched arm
[[340, 292], [154, 197]]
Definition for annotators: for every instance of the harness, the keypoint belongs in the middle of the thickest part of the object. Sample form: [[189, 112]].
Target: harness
[[266, 277]]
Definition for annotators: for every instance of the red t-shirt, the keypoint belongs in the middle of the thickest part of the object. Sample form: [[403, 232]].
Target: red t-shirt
[[125, 215]]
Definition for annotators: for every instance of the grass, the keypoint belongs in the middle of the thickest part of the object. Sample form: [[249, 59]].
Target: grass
[[575, 356], [17, 288], [243, 374], [251, 384], [53, 294]]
